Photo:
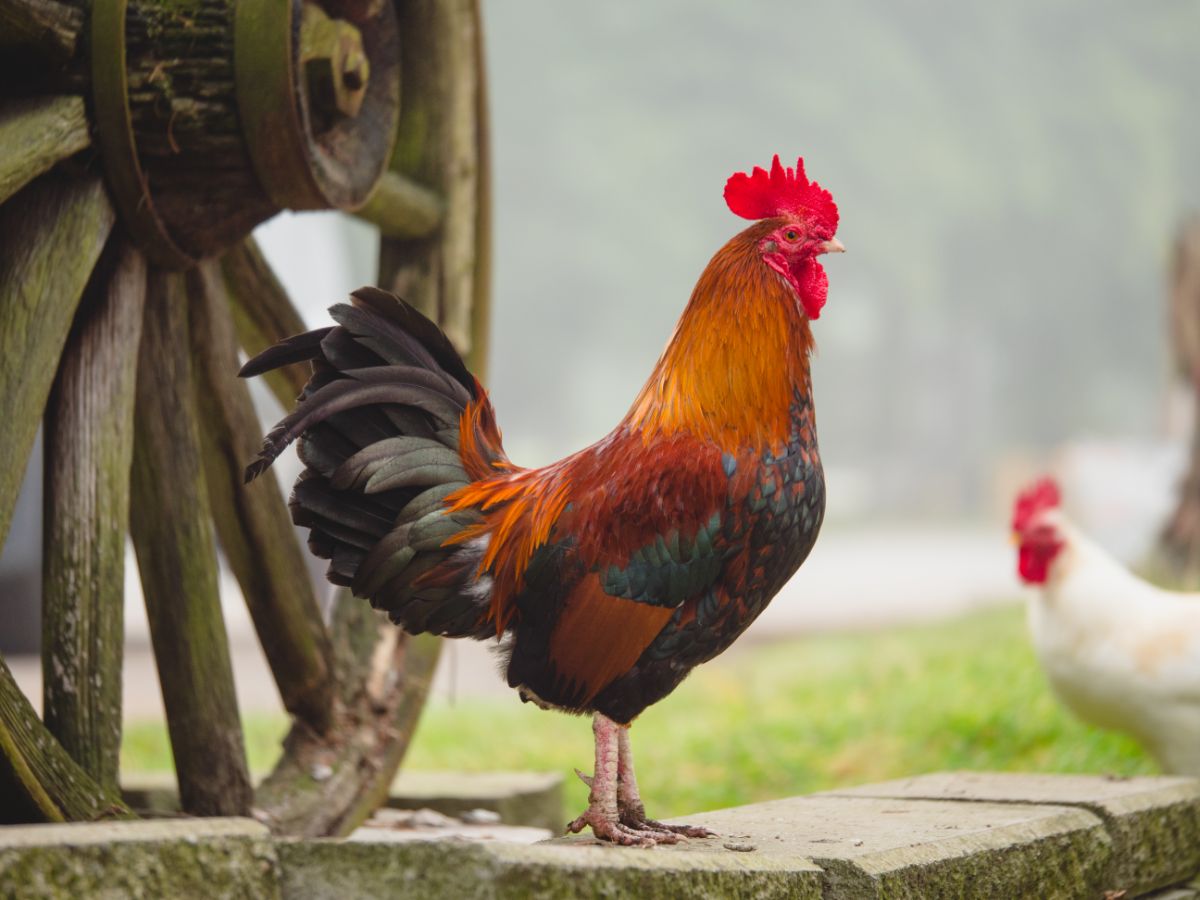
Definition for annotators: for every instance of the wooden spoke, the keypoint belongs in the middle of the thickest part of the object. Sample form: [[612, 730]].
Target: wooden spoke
[[36, 134], [53, 232], [383, 674], [402, 208], [172, 533], [49, 26], [263, 315], [252, 522], [153, 440], [323, 787], [440, 144], [39, 782], [89, 445]]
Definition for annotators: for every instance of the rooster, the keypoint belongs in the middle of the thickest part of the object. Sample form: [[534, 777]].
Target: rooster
[[1119, 652], [609, 575]]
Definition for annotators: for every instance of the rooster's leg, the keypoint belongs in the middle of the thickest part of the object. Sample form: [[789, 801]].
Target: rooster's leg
[[631, 810], [602, 814]]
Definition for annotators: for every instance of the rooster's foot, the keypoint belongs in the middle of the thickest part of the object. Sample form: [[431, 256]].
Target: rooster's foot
[[691, 831], [611, 828], [635, 817]]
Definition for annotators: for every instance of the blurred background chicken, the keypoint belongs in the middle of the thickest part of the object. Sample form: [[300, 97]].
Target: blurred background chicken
[[1121, 653]]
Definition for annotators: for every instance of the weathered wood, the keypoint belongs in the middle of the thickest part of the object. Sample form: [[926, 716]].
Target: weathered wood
[[440, 146], [252, 522], [263, 315], [53, 233], [384, 674], [172, 533], [39, 782], [353, 10], [481, 300], [88, 449], [48, 26], [329, 786], [185, 122], [35, 134], [331, 152], [214, 151], [402, 208]]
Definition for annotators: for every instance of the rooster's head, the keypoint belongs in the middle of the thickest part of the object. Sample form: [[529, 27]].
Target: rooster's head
[[802, 219]]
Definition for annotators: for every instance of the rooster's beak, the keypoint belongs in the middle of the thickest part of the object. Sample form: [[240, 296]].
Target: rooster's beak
[[833, 245], [1015, 539]]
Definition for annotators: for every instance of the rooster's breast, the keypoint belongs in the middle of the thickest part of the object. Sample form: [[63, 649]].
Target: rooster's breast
[[773, 514]]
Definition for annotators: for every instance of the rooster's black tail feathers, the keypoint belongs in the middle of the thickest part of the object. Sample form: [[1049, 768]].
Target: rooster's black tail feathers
[[378, 433]]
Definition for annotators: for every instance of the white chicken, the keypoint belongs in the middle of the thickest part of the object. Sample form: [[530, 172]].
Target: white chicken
[[1119, 652]]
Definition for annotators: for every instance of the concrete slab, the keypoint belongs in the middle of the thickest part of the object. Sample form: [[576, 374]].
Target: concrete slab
[[531, 799], [953, 835], [506, 834], [1176, 893], [394, 825], [178, 858], [883, 848], [526, 799], [1154, 821], [334, 870]]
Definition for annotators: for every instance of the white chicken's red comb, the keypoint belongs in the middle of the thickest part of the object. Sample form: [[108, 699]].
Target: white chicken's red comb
[[1041, 495], [763, 195]]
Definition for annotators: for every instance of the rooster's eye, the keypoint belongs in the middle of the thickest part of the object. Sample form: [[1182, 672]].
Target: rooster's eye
[[790, 235]]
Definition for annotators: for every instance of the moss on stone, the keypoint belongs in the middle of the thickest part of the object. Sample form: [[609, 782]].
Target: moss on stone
[[807, 847], [324, 870], [213, 858], [1154, 822]]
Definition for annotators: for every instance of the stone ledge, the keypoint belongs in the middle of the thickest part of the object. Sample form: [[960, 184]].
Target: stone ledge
[[202, 858], [949, 835], [869, 847], [1189, 891], [530, 799], [1154, 822], [330, 870]]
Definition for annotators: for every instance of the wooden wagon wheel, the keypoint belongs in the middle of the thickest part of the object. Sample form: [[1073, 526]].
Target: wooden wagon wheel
[[140, 142]]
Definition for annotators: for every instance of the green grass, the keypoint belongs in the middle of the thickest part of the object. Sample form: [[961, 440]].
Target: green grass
[[776, 720]]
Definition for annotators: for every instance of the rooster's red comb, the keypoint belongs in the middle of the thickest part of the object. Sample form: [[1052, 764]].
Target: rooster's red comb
[[1041, 495], [763, 195]]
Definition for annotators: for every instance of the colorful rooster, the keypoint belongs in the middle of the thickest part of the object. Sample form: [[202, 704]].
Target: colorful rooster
[[610, 574]]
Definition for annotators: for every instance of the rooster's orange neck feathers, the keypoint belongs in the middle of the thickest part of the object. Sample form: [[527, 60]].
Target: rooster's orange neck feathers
[[738, 354]]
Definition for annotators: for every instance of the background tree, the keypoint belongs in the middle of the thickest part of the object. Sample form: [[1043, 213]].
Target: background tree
[[1178, 555]]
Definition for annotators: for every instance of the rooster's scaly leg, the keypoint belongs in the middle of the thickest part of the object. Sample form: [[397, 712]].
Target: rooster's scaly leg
[[630, 809], [603, 815]]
